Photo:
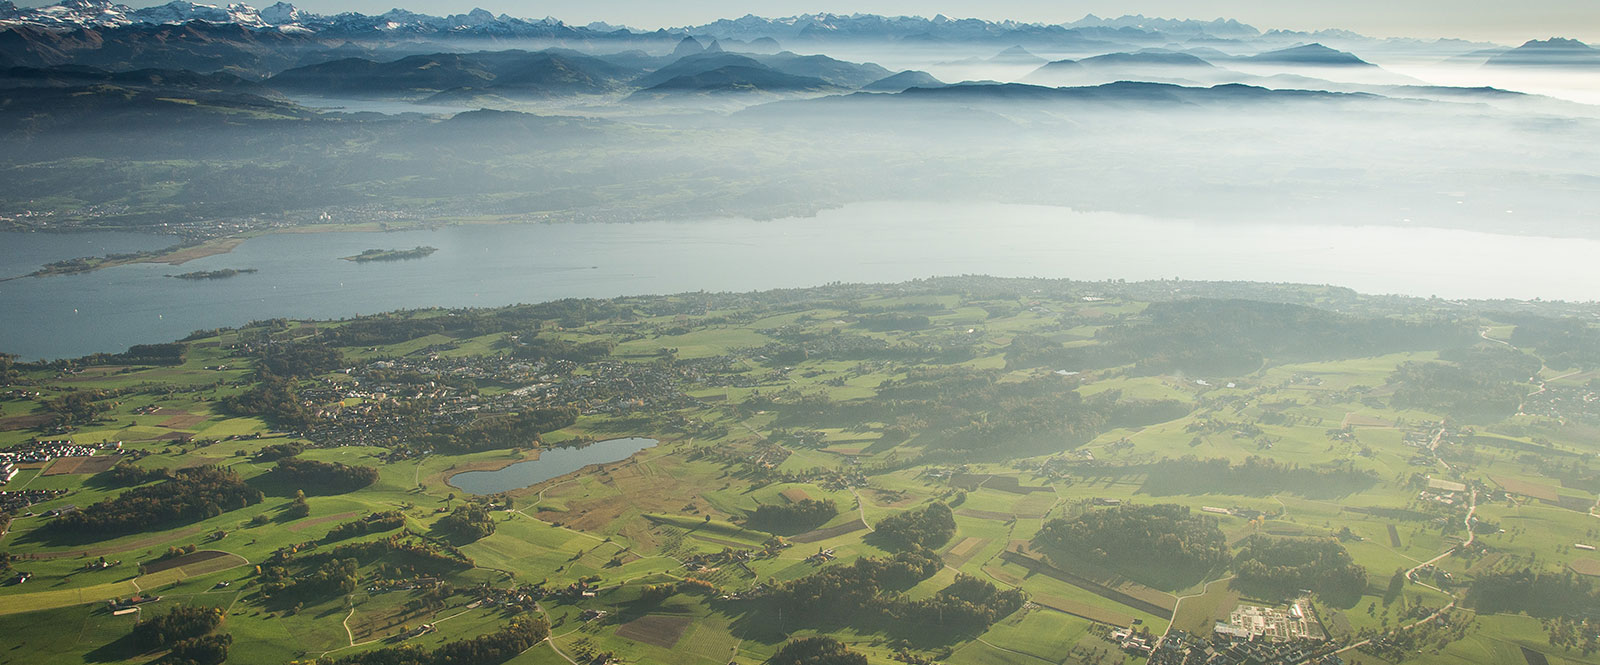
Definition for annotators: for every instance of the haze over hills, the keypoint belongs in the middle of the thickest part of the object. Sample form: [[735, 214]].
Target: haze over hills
[[326, 96]]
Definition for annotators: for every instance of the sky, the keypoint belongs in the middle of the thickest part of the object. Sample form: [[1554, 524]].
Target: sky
[[1496, 20]]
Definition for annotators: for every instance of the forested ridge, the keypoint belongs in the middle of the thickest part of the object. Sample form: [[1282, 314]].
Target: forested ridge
[[188, 495]]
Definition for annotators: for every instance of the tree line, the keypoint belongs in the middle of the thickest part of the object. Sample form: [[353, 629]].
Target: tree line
[[371, 523], [1158, 537], [189, 495], [1231, 337], [791, 518], [325, 477], [1279, 567], [187, 632], [923, 528], [869, 590]]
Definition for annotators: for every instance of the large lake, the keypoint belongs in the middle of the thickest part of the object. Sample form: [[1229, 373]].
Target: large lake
[[301, 275], [552, 463]]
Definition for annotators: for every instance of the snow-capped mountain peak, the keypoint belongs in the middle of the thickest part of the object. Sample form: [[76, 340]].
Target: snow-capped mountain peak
[[283, 13], [183, 11]]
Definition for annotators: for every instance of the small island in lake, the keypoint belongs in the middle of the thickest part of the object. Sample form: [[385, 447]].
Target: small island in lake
[[215, 274], [391, 254]]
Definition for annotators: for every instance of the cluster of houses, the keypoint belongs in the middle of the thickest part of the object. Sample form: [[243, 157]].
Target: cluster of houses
[[384, 586], [1136, 643], [1581, 403], [40, 450], [1273, 624], [1181, 648], [101, 564], [821, 557], [12, 501], [578, 589], [1429, 570], [117, 605], [354, 412]]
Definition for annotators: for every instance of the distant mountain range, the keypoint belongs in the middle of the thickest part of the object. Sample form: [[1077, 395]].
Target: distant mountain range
[[479, 59], [1136, 30], [1555, 52]]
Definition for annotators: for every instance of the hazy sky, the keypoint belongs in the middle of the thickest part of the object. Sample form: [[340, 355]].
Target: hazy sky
[[1481, 19]]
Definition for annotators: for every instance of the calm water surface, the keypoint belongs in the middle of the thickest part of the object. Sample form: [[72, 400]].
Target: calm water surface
[[301, 275], [552, 463]]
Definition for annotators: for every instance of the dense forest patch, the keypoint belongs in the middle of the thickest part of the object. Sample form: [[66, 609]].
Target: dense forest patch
[[1161, 538]]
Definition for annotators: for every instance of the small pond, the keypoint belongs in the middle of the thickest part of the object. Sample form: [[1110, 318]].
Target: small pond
[[552, 463]]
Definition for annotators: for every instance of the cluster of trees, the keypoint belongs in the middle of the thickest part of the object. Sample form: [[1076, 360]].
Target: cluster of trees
[[863, 584], [1541, 594], [1257, 476], [509, 430], [327, 577], [297, 508], [552, 349], [278, 451], [1479, 384], [1582, 634], [928, 527], [182, 622], [78, 407], [126, 473], [468, 522], [894, 321], [397, 553], [300, 359], [176, 551], [1278, 567], [491, 649], [959, 412], [798, 347], [203, 650], [396, 327], [1017, 423], [1234, 337], [372, 523], [170, 353], [820, 650], [190, 495], [326, 477], [968, 604], [273, 397], [791, 518], [870, 588], [1160, 536], [1563, 343]]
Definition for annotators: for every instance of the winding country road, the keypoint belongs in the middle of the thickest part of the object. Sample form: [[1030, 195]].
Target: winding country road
[[1472, 508]]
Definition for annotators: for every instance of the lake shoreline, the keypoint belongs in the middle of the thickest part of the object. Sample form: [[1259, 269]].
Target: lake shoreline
[[506, 263]]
